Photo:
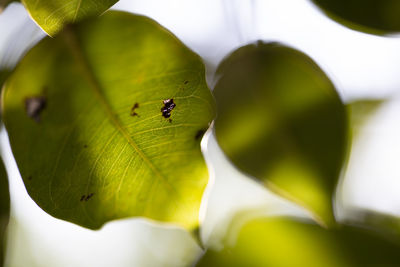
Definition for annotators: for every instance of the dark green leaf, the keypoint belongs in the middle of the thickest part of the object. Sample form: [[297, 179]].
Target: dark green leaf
[[371, 16], [377, 220], [5, 3], [4, 210], [53, 15], [284, 242], [84, 116], [281, 121], [4, 73]]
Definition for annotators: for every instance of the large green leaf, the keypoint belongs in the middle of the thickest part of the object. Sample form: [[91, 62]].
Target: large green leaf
[[281, 121], [53, 15], [284, 242], [85, 116], [371, 16], [4, 210]]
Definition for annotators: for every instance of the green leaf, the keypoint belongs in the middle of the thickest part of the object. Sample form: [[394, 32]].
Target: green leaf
[[283, 242], [378, 220], [281, 121], [370, 16], [4, 210], [84, 117], [4, 73], [360, 111], [53, 15]]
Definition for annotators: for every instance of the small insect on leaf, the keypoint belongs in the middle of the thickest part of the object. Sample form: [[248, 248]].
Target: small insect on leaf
[[169, 105]]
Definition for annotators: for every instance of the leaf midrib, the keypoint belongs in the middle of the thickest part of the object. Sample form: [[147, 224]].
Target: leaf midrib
[[73, 44]]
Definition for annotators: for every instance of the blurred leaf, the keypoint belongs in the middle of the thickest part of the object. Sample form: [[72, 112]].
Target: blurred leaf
[[53, 15], [4, 73], [84, 117], [4, 210], [371, 16], [5, 3], [381, 221], [284, 242], [281, 121], [360, 111]]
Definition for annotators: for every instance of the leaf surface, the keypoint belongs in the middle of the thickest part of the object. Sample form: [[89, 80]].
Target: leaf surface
[[281, 121], [370, 16], [360, 112], [53, 15], [4, 210], [282, 242], [86, 121]]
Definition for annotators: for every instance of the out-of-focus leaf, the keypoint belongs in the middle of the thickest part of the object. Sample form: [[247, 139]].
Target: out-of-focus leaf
[[5, 3], [377, 220], [105, 122], [360, 111], [4, 210], [281, 121], [283, 242], [371, 16], [3, 76], [53, 15]]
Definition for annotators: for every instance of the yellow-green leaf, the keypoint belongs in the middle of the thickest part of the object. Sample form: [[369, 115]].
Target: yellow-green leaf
[[281, 121], [53, 15], [360, 111], [371, 16], [286, 242], [4, 210], [84, 114]]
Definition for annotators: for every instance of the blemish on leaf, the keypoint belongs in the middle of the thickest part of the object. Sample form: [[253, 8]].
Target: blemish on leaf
[[29, 178], [34, 107], [133, 110], [169, 105], [199, 134], [85, 146], [86, 197], [186, 82], [89, 196], [169, 120]]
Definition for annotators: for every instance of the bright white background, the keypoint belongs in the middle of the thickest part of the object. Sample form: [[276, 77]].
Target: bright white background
[[360, 65]]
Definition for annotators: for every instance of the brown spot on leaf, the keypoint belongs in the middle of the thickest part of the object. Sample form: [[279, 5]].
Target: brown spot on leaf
[[34, 107], [169, 105], [86, 197], [29, 178], [169, 120], [85, 146], [186, 82], [133, 110], [89, 196]]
